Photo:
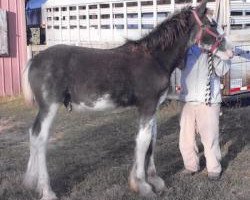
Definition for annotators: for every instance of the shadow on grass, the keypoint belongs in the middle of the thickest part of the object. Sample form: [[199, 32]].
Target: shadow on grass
[[234, 132], [111, 145]]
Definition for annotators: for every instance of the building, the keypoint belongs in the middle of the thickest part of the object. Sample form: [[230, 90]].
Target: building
[[12, 46]]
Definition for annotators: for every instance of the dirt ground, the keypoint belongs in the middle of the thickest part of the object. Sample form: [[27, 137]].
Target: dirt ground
[[90, 155]]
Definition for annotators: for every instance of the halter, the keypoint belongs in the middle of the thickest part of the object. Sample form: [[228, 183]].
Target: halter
[[203, 28]]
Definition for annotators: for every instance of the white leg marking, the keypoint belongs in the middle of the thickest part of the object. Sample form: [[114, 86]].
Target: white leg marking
[[137, 180], [157, 182], [151, 167], [163, 98], [142, 143], [37, 174]]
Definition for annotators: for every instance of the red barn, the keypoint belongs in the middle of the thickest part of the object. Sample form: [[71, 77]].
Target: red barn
[[13, 49]]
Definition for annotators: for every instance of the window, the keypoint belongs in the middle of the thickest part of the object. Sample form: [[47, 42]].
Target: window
[[93, 16], [82, 17], [56, 18], [131, 4], [82, 7], [118, 26], [147, 15], [105, 26], [106, 16], [72, 17], [72, 8], [56, 27], [93, 7], [132, 15], [147, 3], [147, 26], [181, 1], [94, 26], [118, 16], [117, 5], [162, 2], [55, 9], [73, 27], [63, 8], [4, 48], [132, 26], [236, 13], [83, 27], [162, 14], [104, 5]]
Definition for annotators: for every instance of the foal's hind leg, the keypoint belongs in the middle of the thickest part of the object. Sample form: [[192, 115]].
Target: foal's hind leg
[[36, 174], [137, 179], [157, 182]]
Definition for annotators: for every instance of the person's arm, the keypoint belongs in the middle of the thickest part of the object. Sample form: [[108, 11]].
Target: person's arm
[[221, 66]]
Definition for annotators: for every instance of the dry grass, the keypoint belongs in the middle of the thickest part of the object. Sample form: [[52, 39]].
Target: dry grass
[[90, 155]]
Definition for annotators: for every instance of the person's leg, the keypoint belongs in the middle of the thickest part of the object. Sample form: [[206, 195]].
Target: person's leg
[[187, 141], [208, 127]]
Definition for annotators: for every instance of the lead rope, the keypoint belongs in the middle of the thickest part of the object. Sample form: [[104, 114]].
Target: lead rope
[[210, 72]]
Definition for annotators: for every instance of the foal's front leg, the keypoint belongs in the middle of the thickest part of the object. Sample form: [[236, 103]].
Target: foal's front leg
[[137, 179]]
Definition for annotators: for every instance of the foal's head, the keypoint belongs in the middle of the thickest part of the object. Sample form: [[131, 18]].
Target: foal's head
[[208, 34]]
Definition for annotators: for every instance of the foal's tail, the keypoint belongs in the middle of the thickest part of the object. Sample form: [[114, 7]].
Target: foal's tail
[[27, 92]]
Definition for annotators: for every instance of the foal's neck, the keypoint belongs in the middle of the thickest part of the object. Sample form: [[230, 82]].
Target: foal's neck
[[173, 56]]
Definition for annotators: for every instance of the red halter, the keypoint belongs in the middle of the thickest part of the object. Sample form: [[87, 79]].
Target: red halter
[[203, 28]]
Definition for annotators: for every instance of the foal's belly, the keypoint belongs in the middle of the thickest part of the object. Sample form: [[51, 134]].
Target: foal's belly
[[100, 104]]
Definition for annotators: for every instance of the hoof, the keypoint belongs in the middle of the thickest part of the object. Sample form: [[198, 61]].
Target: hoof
[[141, 187], [49, 196], [30, 182], [157, 183], [145, 190]]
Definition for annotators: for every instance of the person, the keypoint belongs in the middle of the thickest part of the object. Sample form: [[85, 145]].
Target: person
[[197, 116]]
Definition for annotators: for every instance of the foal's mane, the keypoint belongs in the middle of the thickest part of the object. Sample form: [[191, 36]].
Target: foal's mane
[[167, 32]]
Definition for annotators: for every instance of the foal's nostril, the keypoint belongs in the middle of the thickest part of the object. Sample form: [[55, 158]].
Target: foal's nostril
[[230, 53]]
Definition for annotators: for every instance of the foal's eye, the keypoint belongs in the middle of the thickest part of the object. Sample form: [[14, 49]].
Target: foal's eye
[[213, 25]]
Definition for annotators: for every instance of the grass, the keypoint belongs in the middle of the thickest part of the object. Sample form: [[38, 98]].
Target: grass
[[90, 155]]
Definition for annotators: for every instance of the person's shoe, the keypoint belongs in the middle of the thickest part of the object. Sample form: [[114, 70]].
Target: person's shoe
[[188, 172], [214, 176]]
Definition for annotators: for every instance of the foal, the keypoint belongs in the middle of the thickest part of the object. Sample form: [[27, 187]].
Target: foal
[[134, 74]]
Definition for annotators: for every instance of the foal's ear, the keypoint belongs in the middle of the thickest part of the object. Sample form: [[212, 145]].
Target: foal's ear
[[201, 9]]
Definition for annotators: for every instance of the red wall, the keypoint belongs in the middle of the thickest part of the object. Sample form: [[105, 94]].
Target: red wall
[[11, 66]]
